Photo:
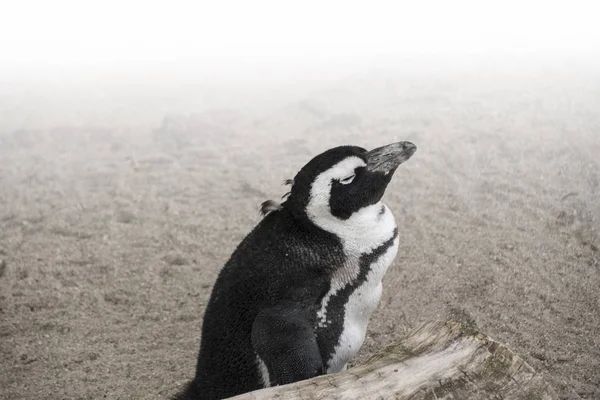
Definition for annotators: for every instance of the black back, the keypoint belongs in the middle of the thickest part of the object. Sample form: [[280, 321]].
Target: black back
[[283, 259]]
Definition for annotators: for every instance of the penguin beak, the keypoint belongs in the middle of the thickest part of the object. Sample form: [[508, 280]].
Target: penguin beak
[[387, 158]]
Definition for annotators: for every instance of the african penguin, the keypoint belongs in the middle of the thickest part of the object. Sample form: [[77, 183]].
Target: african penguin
[[295, 298]]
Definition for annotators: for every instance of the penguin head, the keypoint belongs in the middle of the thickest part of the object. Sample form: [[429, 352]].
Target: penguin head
[[344, 181]]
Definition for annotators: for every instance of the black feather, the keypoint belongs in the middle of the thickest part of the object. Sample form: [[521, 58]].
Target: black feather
[[269, 206]]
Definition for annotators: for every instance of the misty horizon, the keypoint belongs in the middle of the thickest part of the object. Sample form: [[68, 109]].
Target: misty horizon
[[121, 34]]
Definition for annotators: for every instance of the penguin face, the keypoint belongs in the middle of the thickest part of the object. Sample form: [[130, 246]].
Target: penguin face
[[345, 180]]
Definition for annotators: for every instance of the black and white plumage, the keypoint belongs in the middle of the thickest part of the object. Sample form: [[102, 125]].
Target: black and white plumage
[[295, 298]]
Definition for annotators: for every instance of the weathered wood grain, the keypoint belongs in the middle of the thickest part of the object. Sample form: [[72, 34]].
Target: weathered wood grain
[[438, 360]]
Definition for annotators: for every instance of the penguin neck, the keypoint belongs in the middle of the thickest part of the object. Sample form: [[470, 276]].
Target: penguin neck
[[361, 233], [290, 220]]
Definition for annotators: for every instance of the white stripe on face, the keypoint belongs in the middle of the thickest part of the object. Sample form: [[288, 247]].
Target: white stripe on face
[[318, 209]]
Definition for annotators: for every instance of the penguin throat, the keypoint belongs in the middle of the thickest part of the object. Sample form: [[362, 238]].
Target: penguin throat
[[363, 231]]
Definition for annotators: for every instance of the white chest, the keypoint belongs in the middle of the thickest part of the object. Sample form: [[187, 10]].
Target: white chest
[[368, 239], [358, 310]]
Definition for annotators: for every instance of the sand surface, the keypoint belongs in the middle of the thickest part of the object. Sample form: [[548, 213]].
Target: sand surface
[[113, 232]]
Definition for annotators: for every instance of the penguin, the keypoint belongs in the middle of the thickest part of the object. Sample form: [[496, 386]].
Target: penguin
[[294, 299]]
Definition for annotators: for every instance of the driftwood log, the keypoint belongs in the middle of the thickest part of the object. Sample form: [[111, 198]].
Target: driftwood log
[[438, 360]]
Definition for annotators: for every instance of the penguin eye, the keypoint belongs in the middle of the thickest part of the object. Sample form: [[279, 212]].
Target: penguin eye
[[347, 180]]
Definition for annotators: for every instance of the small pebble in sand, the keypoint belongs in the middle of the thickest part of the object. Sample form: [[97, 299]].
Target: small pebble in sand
[[564, 358]]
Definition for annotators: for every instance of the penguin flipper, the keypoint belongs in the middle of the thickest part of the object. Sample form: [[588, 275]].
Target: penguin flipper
[[284, 339]]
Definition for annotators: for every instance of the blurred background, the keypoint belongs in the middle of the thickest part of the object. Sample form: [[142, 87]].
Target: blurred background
[[138, 139], [112, 59]]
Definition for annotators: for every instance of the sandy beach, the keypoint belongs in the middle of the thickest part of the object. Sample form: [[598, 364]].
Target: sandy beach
[[118, 210]]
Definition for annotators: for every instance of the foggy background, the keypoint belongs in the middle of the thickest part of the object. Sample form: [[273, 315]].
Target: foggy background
[[137, 140], [98, 62]]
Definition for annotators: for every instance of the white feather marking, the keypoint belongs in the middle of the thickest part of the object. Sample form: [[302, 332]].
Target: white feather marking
[[263, 372]]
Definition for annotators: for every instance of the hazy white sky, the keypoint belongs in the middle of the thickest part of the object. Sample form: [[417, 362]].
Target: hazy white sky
[[76, 32]]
